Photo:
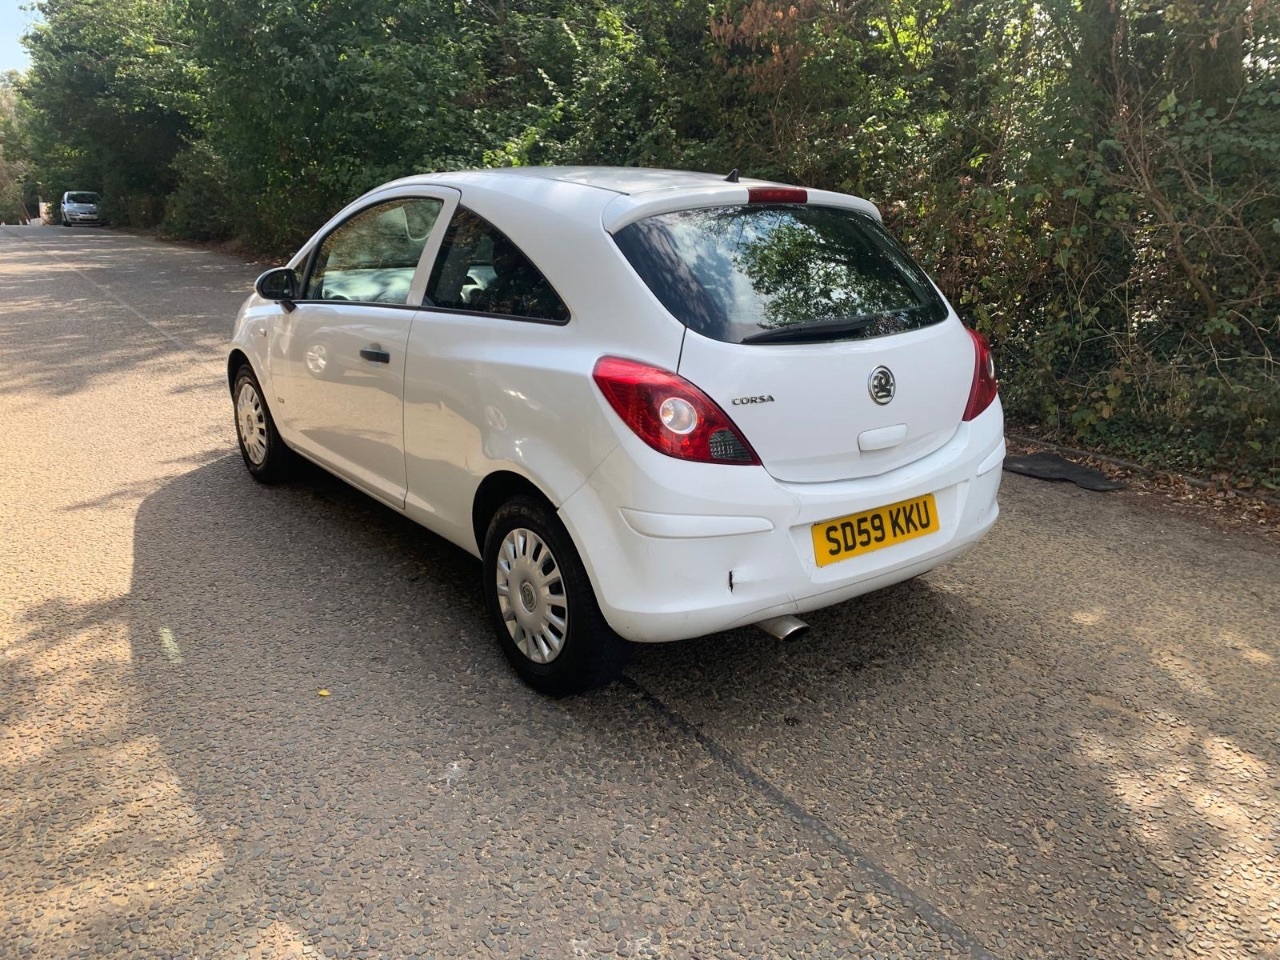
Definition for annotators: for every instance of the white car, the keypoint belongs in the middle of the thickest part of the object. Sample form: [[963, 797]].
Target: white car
[[657, 404], [80, 207]]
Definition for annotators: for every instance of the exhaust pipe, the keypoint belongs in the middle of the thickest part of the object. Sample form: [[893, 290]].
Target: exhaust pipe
[[785, 628]]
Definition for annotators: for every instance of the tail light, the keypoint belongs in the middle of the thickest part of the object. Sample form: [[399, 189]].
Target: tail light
[[670, 414], [985, 384]]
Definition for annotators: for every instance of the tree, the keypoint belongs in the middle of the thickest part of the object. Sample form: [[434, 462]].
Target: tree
[[15, 164], [1093, 182], [309, 104], [111, 91]]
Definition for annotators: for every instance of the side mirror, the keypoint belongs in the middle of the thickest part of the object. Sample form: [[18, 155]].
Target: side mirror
[[280, 285]]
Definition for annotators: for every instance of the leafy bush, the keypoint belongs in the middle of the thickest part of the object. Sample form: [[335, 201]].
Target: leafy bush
[[200, 207], [1094, 183]]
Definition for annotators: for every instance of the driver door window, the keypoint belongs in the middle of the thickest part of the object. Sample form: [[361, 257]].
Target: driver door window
[[371, 258]]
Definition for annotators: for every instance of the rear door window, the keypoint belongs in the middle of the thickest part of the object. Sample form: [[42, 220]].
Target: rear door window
[[479, 270], [762, 273]]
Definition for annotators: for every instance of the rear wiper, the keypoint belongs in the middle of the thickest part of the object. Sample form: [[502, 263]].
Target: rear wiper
[[814, 329]]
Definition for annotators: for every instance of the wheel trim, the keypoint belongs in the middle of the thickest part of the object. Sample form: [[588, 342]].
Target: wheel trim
[[251, 423], [531, 595]]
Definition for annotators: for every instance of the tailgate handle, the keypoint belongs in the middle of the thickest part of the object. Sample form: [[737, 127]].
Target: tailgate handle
[[882, 438]]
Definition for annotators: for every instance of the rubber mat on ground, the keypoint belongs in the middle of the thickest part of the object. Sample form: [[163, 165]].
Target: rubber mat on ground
[[1050, 466]]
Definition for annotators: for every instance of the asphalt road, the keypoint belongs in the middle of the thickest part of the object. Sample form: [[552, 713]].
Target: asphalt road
[[1065, 745]]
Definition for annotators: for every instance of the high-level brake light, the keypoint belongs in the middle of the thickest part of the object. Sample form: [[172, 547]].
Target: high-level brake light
[[777, 195]]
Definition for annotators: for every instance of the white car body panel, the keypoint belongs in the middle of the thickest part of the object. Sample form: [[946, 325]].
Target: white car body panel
[[570, 246], [626, 209], [337, 408], [342, 410], [673, 549], [673, 583], [485, 394], [809, 431]]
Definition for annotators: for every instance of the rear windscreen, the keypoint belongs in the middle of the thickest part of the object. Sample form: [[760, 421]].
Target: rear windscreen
[[780, 273]]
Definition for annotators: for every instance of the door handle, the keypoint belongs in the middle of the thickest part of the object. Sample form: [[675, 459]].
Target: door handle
[[375, 353]]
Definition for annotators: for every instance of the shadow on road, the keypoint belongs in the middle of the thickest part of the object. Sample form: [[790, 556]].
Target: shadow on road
[[432, 802], [91, 295]]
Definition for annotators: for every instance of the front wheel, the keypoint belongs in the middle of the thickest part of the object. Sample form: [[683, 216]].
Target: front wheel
[[541, 604], [265, 454]]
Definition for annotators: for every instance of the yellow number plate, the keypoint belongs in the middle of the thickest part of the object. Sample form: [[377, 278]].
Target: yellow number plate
[[859, 533]]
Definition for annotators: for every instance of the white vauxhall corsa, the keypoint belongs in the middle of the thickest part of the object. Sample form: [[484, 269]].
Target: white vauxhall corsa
[[657, 404]]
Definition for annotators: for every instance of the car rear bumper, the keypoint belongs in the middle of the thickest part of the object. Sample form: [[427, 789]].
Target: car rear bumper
[[677, 550]]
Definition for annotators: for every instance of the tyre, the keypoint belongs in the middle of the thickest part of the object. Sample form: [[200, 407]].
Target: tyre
[[542, 606], [265, 454]]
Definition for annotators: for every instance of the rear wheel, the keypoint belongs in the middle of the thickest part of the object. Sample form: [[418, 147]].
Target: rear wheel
[[265, 454], [542, 606]]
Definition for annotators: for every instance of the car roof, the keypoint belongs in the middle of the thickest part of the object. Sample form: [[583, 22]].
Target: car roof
[[615, 195], [623, 180]]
